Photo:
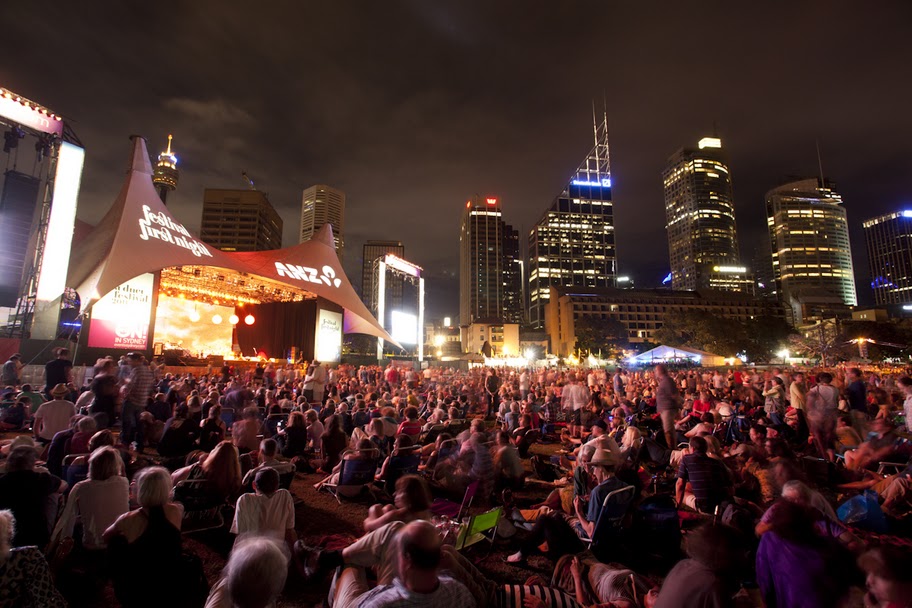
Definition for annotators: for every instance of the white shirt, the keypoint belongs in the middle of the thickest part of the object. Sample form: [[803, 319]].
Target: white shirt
[[55, 417], [97, 504], [264, 515], [575, 396]]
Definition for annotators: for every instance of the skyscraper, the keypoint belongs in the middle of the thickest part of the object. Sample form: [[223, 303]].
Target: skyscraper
[[481, 261], [573, 243], [700, 220], [240, 220], [809, 239], [166, 174], [889, 240], [320, 205], [370, 252], [513, 300]]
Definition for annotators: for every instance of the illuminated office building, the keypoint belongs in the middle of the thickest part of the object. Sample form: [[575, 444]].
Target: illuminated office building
[[573, 243], [321, 204], [166, 175], [240, 220], [889, 240], [481, 261], [809, 238], [700, 220], [372, 251], [513, 300]]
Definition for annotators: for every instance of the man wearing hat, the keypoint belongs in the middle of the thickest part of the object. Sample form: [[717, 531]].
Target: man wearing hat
[[11, 369], [54, 415], [563, 535]]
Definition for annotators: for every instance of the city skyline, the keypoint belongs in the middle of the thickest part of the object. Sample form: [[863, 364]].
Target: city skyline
[[407, 142]]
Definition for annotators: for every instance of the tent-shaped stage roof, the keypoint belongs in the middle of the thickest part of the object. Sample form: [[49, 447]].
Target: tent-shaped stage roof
[[138, 235], [680, 353]]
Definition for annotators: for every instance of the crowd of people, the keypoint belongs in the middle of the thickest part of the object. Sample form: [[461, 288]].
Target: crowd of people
[[601, 471]]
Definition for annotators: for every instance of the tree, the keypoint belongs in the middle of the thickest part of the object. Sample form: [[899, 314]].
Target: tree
[[822, 342], [597, 334], [765, 337], [703, 331]]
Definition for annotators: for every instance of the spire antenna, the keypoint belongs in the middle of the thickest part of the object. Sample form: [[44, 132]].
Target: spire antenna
[[169, 144], [820, 163]]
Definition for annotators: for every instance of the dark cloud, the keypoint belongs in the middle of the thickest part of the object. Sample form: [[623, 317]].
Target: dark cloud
[[412, 106]]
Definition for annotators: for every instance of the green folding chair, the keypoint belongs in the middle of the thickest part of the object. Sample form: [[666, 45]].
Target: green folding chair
[[480, 527]]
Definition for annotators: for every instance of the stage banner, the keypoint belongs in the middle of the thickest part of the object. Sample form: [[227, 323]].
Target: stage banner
[[121, 318], [329, 337]]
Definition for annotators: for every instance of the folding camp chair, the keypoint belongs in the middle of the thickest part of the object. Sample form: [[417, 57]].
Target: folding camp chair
[[891, 468], [611, 516], [405, 462], [228, 417], [479, 527], [453, 510], [431, 434], [354, 476]]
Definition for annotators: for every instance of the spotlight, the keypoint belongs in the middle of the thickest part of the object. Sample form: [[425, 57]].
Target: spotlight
[[217, 319], [233, 319], [194, 316], [249, 320], [45, 145], [11, 138]]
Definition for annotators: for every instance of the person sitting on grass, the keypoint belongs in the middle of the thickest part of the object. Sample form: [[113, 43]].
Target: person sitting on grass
[[412, 500], [563, 533], [269, 511], [254, 575]]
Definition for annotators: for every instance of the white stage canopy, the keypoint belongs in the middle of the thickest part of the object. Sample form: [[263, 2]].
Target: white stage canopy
[[139, 235]]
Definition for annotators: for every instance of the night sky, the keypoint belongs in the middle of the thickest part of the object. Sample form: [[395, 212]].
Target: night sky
[[411, 107]]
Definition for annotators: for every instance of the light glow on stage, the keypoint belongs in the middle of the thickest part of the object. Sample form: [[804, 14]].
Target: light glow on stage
[[174, 326]]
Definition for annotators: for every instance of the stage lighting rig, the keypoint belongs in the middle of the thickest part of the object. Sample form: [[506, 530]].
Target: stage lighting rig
[[11, 138]]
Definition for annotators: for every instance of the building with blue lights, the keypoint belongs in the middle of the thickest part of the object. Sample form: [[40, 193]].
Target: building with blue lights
[[889, 241], [573, 243], [700, 221], [809, 238]]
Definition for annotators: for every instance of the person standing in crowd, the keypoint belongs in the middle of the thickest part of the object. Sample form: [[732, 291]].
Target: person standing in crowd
[[11, 370], [58, 371], [54, 416], [574, 398], [798, 392], [136, 393], [668, 403], [905, 385], [857, 395], [822, 404], [318, 374]]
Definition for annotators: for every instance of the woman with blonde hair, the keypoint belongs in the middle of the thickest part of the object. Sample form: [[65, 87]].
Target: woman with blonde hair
[[145, 550], [25, 579], [96, 502], [221, 468], [630, 443]]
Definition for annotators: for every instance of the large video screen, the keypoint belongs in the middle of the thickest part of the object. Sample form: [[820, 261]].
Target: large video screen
[[404, 327], [185, 324]]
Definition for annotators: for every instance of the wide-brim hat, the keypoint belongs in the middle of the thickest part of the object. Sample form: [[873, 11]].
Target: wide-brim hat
[[602, 457], [59, 390]]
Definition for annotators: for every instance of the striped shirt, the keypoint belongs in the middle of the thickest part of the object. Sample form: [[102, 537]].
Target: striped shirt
[[450, 593]]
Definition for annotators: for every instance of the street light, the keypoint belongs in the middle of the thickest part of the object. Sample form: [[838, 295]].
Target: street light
[[439, 340], [784, 353]]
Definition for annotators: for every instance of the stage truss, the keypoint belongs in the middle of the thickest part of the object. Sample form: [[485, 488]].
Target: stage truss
[[221, 286]]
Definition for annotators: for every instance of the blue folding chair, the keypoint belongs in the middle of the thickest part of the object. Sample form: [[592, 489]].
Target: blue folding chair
[[354, 476]]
